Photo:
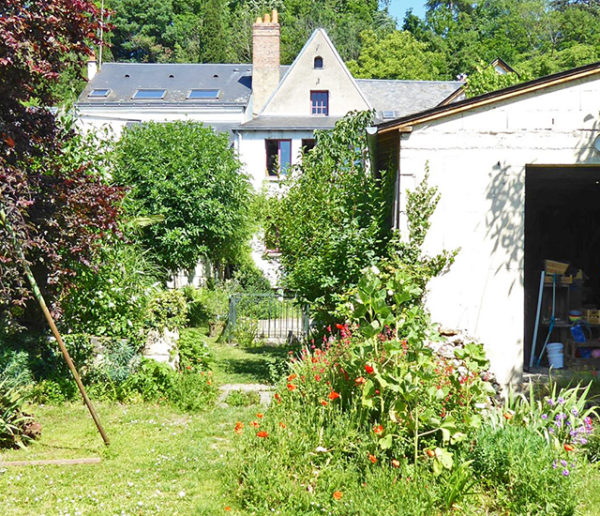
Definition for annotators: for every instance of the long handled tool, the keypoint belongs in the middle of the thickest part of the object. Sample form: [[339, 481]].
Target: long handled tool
[[40, 299]]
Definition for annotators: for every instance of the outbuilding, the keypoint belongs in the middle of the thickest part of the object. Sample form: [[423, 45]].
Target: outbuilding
[[518, 171]]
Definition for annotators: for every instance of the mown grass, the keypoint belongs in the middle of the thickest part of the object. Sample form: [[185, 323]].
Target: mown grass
[[160, 461]]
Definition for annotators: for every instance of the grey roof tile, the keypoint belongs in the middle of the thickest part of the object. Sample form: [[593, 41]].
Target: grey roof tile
[[289, 123], [401, 98]]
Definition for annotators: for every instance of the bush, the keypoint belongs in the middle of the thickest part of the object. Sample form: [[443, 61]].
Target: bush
[[167, 309], [206, 306], [194, 354], [523, 471], [13, 421]]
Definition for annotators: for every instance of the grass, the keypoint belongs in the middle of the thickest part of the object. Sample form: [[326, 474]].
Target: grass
[[160, 461]]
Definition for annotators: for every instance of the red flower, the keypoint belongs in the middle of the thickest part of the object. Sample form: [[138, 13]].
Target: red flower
[[568, 448], [255, 424], [292, 377], [278, 397], [333, 395], [339, 326], [369, 369], [9, 141], [282, 424], [372, 458], [324, 403], [430, 452], [378, 430], [337, 495], [395, 463], [291, 386], [259, 415], [239, 427], [262, 433], [360, 381], [318, 378]]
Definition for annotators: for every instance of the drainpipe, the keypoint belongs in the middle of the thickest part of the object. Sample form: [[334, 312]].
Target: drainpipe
[[372, 146]]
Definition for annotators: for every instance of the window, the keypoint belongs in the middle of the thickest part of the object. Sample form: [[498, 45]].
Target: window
[[204, 94], [149, 94], [307, 144], [318, 63], [103, 92], [279, 156], [319, 102]]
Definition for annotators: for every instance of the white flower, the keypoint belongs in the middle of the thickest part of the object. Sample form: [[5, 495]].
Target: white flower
[[181, 494]]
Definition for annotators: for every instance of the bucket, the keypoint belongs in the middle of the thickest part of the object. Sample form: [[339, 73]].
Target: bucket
[[555, 355]]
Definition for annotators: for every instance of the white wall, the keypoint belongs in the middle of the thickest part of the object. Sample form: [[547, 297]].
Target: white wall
[[478, 159]]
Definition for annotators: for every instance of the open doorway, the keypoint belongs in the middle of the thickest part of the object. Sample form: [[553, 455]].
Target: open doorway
[[562, 223]]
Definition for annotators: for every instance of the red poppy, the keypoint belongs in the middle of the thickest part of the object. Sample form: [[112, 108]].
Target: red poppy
[[337, 495], [317, 378], [333, 395], [372, 458], [278, 397], [395, 463], [291, 386], [508, 416], [292, 377], [378, 430], [339, 326], [239, 427], [323, 402], [369, 369], [430, 452], [568, 448], [255, 424], [262, 433], [227, 508], [360, 381], [282, 424], [259, 415]]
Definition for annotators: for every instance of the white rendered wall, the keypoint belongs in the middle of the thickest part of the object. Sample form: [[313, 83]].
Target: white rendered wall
[[478, 159]]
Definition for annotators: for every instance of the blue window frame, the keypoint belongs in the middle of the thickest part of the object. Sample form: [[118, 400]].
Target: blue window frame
[[149, 94], [204, 94], [279, 156], [319, 102]]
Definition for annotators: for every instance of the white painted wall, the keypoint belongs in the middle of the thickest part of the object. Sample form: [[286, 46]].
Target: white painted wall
[[478, 159]]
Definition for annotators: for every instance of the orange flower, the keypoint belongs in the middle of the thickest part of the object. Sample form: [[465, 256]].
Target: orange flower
[[378, 430], [324, 403], [568, 447], [255, 424], [239, 427], [317, 378], [508, 416], [360, 381], [372, 458], [259, 415], [369, 369], [395, 463], [262, 433], [291, 386], [333, 395], [430, 452], [278, 397], [282, 424], [339, 326], [337, 495], [292, 377], [227, 508]]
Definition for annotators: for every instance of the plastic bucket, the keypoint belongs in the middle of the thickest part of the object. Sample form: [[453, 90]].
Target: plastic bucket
[[555, 355]]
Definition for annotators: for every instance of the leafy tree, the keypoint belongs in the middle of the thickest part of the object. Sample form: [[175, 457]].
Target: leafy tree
[[397, 55], [53, 197], [188, 175], [487, 79], [331, 223]]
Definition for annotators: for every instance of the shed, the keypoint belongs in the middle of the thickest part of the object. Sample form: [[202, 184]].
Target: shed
[[518, 170]]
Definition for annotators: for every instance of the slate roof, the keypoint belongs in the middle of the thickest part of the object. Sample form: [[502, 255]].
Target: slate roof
[[123, 79], [400, 98], [289, 123]]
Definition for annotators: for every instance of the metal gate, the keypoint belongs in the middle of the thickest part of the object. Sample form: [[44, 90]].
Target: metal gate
[[276, 316]]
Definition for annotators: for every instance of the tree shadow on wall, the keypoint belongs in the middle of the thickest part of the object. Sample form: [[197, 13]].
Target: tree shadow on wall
[[504, 220], [587, 153]]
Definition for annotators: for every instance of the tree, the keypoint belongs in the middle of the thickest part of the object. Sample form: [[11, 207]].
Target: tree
[[332, 222], [395, 56], [187, 174], [59, 207]]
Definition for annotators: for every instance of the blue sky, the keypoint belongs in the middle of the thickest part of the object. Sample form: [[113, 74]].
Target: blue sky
[[399, 7]]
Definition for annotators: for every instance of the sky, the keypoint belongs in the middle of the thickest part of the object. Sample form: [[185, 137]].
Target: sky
[[399, 7]]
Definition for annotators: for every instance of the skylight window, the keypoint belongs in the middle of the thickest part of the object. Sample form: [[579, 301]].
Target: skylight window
[[389, 114], [149, 94], [204, 94], [102, 92]]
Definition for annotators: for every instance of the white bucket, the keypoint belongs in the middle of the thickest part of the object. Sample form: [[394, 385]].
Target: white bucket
[[555, 355]]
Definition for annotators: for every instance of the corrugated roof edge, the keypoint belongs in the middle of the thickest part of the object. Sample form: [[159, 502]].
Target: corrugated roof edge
[[492, 97]]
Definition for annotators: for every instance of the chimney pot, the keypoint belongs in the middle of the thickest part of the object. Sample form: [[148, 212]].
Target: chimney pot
[[267, 18], [275, 16]]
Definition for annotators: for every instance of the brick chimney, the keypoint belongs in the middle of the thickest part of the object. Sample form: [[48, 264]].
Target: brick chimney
[[265, 59], [92, 67]]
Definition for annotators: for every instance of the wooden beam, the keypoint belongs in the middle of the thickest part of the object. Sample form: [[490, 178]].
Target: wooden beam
[[58, 462]]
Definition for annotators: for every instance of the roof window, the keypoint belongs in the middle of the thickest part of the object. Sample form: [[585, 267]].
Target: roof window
[[100, 92], [389, 114], [149, 94], [204, 94]]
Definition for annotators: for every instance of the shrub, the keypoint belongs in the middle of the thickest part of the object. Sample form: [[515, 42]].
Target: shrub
[[194, 354], [206, 306], [524, 472], [13, 421], [167, 309], [193, 392]]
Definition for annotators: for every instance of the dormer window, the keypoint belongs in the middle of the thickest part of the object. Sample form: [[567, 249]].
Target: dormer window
[[318, 63], [319, 102]]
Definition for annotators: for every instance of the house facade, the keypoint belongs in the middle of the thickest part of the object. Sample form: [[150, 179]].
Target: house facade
[[519, 175]]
